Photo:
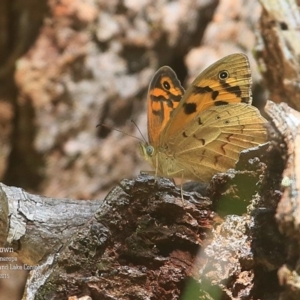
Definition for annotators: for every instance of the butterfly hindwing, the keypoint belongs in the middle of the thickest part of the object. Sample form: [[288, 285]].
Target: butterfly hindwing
[[212, 143]]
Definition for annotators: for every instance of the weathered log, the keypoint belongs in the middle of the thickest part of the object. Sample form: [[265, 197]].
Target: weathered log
[[144, 241]]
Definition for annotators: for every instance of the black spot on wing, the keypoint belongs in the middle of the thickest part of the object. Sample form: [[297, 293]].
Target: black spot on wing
[[202, 89], [199, 139], [199, 121], [175, 98], [223, 148], [166, 85], [214, 95], [161, 99], [189, 108], [158, 112], [231, 89], [246, 99], [219, 102], [184, 134], [229, 137], [169, 100]]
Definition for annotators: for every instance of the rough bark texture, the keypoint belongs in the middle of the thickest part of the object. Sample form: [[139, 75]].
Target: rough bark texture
[[23, 216], [288, 210], [278, 50], [140, 245]]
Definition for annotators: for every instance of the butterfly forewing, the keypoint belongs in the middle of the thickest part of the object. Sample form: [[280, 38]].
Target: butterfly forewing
[[227, 81], [164, 95]]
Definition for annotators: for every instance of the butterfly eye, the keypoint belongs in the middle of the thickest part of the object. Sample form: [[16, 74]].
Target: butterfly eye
[[149, 150], [166, 85], [223, 75]]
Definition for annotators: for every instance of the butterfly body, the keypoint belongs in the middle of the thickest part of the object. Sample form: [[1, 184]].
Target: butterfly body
[[202, 131]]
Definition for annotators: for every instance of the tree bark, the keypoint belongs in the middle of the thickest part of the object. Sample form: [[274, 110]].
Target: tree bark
[[278, 50]]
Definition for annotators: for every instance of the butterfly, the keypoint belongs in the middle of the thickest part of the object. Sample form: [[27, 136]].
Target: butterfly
[[197, 133]]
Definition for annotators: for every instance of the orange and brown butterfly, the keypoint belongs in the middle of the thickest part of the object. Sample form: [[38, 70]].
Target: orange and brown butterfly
[[198, 133]]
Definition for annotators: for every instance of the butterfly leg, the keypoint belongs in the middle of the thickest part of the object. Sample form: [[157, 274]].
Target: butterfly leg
[[156, 166], [154, 173], [181, 190]]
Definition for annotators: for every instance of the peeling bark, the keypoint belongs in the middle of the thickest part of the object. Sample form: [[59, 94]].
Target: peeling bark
[[278, 50], [287, 122], [38, 226]]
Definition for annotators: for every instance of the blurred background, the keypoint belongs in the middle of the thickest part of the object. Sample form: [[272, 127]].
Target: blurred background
[[68, 65]]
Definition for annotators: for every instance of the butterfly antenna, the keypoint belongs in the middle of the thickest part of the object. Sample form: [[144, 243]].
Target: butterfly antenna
[[137, 127], [128, 134]]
